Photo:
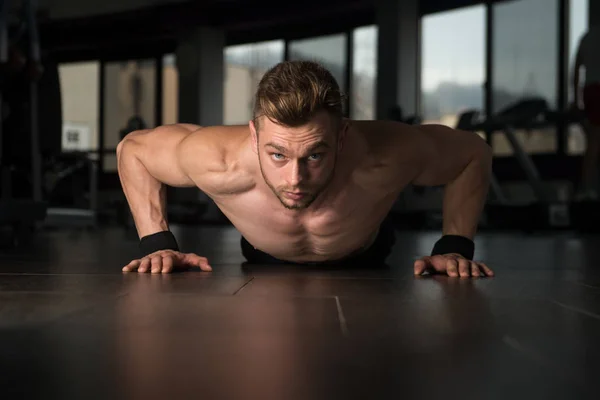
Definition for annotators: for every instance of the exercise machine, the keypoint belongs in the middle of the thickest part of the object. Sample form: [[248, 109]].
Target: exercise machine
[[584, 214], [545, 209]]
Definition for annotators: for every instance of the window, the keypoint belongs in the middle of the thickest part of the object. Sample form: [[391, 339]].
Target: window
[[129, 103], [453, 64], [79, 85], [330, 51], [244, 67], [525, 46], [364, 73], [578, 25], [170, 92]]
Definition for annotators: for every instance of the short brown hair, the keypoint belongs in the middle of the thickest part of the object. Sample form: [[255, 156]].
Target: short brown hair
[[293, 92]]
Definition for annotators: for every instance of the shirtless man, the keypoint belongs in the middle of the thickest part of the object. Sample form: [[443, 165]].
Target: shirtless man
[[304, 185]]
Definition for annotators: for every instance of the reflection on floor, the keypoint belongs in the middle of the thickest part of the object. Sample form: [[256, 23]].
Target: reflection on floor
[[73, 326]]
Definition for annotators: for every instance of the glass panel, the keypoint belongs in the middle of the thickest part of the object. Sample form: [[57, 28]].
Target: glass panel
[[578, 25], [453, 64], [244, 67], [79, 85], [364, 73], [129, 103], [525, 51], [170, 90], [330, 51], [525, 64]]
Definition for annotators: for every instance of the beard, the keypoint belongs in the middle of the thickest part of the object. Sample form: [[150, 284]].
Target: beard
[[310, 194]]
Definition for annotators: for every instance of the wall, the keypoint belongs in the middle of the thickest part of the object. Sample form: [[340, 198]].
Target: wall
[[119, 102], [80, 90], [240, 85], [170, 94]]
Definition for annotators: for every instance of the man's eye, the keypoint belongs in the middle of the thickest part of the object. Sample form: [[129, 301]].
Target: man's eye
[[314, 157], [277, 156]]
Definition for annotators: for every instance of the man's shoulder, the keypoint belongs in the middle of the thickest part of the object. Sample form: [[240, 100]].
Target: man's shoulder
[[391, 151], [218, 153], [225, 135], [221, 142], [384, 137], [381, 128]]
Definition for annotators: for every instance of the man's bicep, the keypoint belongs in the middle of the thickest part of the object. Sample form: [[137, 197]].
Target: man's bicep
[[444, 153], [157, 150], [200, 158]]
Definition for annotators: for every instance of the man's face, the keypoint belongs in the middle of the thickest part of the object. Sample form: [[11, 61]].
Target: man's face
[[297, 163]]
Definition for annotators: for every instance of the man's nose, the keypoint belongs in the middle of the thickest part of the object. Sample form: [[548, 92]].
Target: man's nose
[[297, 173]]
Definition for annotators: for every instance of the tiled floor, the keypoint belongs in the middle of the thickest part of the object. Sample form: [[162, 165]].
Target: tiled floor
[[72, 326]]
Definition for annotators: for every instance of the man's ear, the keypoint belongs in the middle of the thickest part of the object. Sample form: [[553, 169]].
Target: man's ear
[[254, 135], [344, 126]]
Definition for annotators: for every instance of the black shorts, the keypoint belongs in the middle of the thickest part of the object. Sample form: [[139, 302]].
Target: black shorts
[[376, 254]]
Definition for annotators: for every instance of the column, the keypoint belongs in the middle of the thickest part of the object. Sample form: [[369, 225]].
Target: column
[[398, 70], [200, 68], [594, 13], [199, 58]]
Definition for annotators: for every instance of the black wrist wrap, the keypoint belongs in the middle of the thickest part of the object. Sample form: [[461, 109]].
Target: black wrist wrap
[[454, 244], [158, 241]]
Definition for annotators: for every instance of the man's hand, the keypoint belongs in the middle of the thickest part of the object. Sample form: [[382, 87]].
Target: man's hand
[[166, 261], [453, 264]]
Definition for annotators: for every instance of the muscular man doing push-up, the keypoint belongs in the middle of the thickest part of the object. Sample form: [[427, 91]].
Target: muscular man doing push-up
[[304, 185]]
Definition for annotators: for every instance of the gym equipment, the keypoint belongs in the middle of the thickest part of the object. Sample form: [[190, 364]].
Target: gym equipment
[[395, 113], [72, 190], [584, 214], [546, 210], [421, 207], [466, 121], [20, 213]]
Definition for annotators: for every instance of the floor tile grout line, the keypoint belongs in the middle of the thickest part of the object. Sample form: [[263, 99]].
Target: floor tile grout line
[[50, 274], [108, 274], [339, 278], [54, 292], [243, 286], [540, 360], [266, 277], [90, 306], [341, 317], [587, 286], [576, 309]]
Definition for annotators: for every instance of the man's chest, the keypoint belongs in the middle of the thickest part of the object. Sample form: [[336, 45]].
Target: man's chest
[[341, 225]]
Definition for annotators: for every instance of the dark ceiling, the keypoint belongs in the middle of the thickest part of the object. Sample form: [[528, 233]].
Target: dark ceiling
[[155, 28]]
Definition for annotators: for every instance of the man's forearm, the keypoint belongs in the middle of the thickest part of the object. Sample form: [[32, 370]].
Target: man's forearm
[[145, 195], [465, 196]]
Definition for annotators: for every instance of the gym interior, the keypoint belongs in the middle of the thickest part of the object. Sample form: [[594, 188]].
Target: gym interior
[[79, 76]]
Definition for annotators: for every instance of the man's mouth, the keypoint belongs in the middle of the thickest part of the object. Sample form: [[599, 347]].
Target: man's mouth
[[294, 195]]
